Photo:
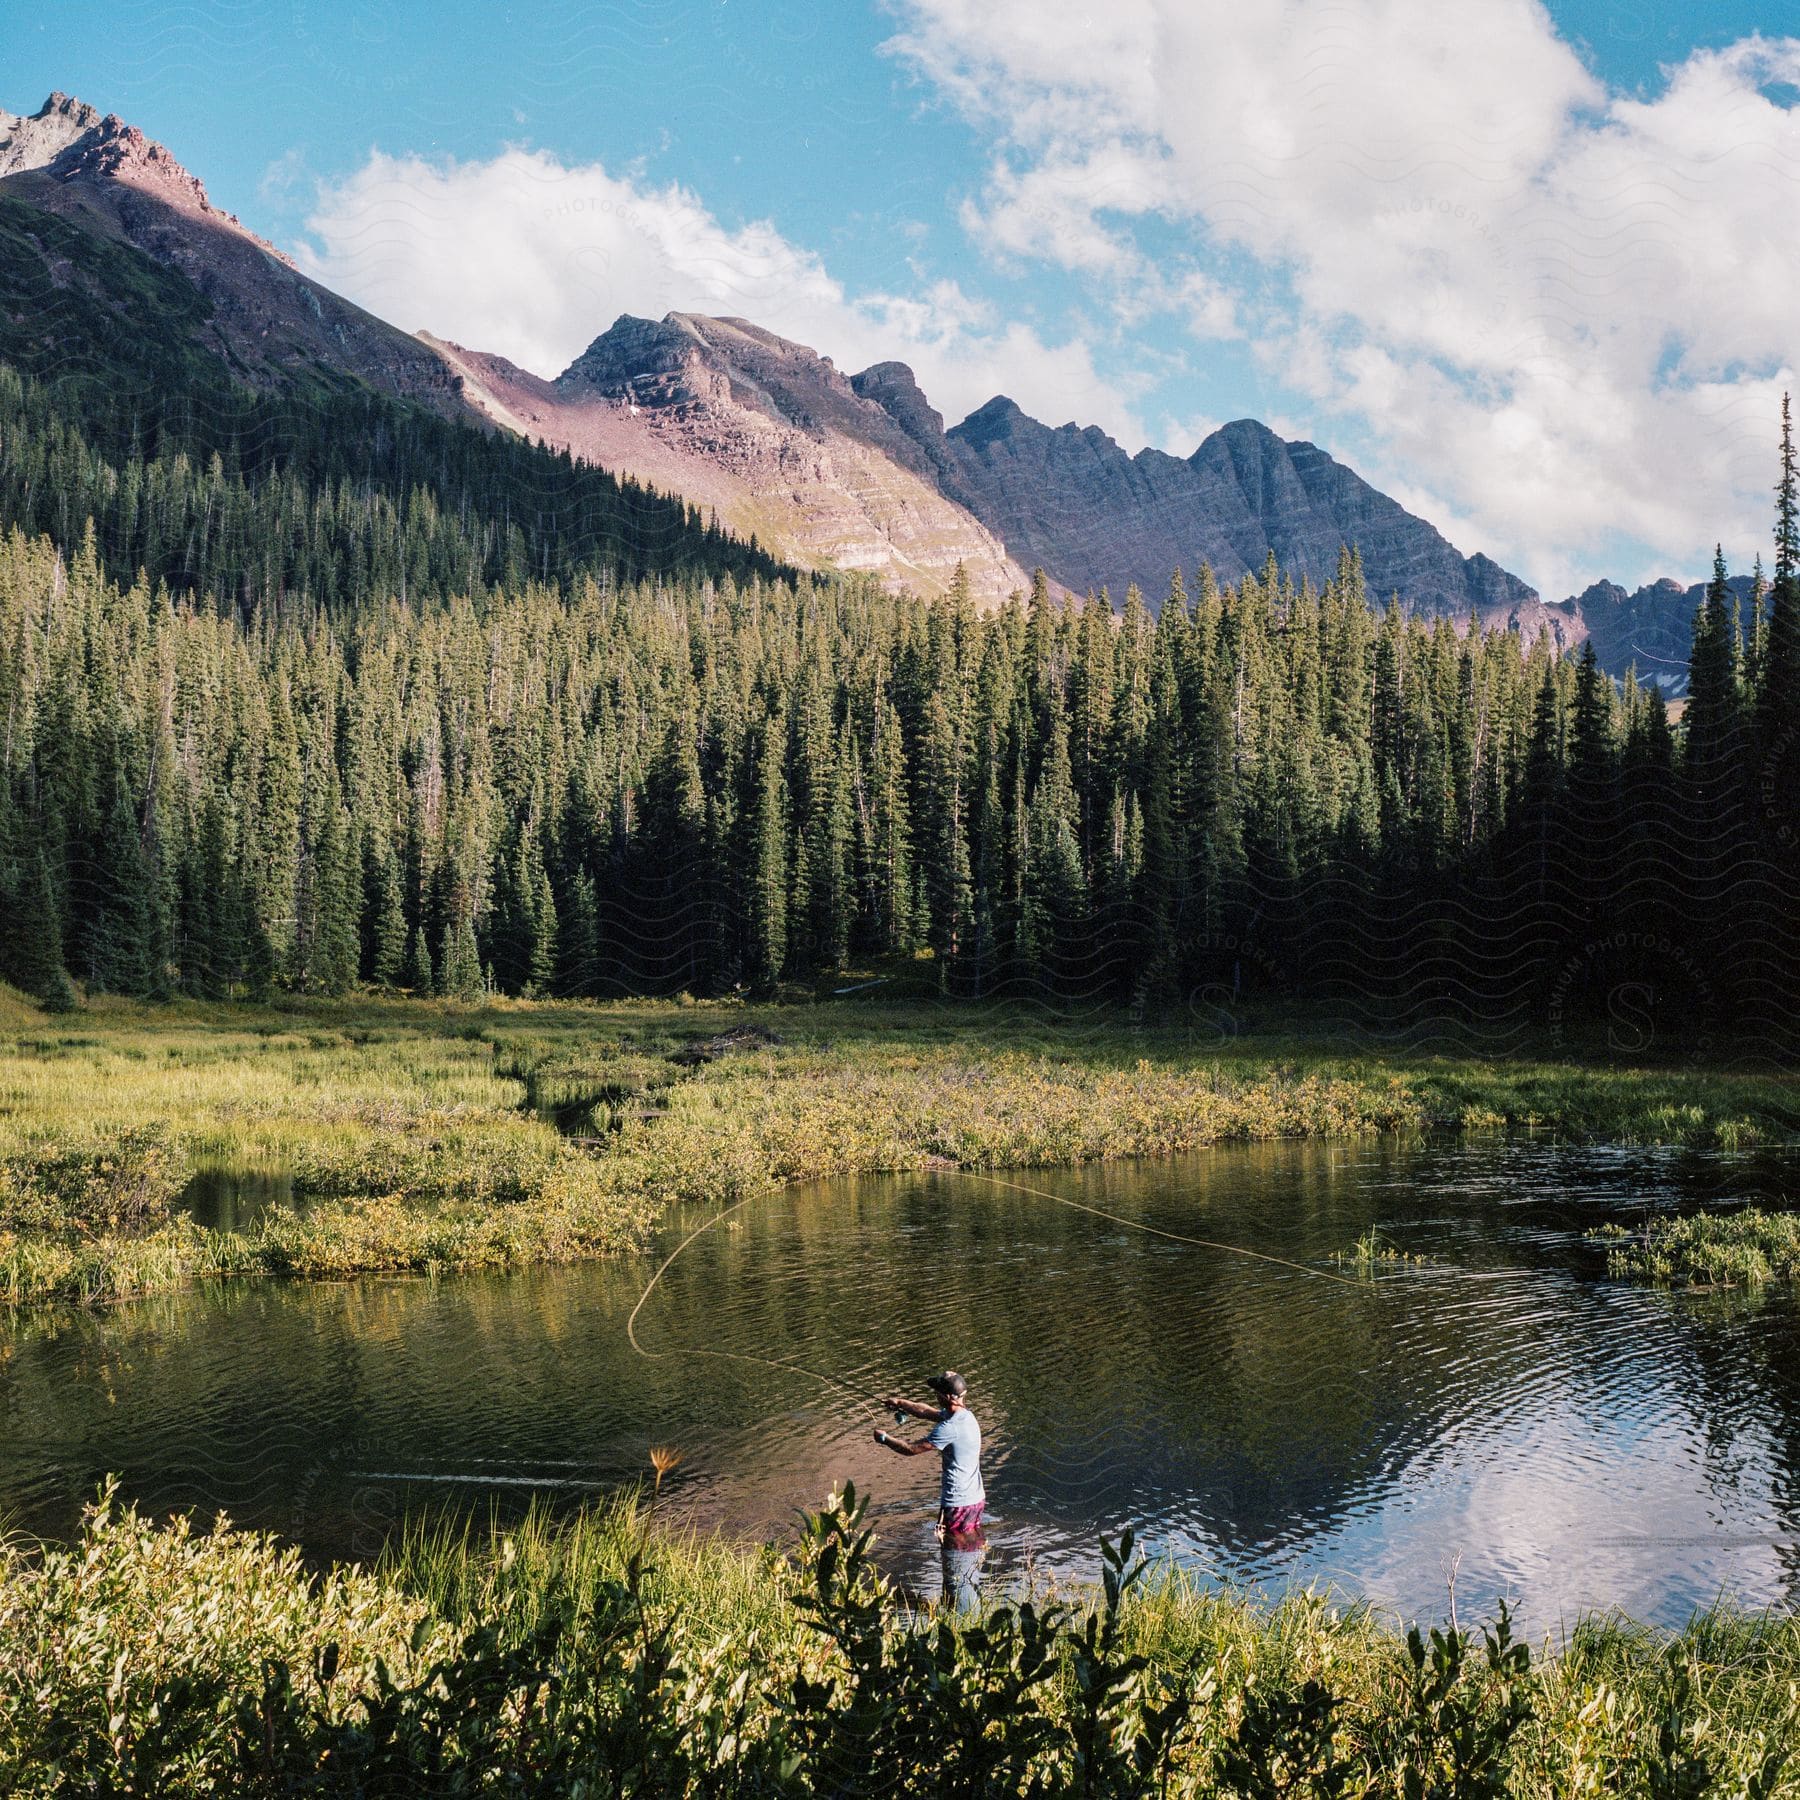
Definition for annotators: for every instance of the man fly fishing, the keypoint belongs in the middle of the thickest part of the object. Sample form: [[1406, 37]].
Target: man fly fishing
[[956, 1436]]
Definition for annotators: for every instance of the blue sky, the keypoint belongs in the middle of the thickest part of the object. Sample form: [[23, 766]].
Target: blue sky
[[969, 188]]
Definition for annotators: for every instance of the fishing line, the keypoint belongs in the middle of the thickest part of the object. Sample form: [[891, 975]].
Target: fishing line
[[1018, 1187], [1174, 1237], [766, 1362]]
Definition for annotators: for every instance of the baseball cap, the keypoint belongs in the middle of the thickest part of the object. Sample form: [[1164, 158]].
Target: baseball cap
[[948, 1383]]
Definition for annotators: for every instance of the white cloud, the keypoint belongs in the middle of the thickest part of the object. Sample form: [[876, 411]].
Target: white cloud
[[532, 258], [1183, 436], [281, 178], [1567, 311], [1211, 307]]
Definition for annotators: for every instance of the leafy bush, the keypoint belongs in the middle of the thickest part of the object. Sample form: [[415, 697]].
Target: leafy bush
[[125, 1182], [602, 1657]]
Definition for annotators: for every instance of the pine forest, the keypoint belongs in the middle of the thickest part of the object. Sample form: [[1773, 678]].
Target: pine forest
[[266, 724]]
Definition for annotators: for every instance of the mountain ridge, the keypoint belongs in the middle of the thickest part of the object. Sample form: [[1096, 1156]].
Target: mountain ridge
[[767, 433], [830, 469]]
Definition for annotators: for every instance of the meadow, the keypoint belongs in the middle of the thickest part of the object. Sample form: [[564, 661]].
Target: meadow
[[431, 1135]]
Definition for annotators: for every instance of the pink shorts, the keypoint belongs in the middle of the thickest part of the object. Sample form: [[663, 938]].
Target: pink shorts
[[958, 1519]]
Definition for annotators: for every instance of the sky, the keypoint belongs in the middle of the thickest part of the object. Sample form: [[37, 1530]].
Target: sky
[[1532, 270]]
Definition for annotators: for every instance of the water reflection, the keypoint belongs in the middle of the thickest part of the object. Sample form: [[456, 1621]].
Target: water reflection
[[225, 1199], [960, 1555], [1576, 1443]]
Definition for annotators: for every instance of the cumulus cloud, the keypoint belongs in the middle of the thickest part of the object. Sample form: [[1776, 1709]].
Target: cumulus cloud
[[533, 258], [1567, 311]]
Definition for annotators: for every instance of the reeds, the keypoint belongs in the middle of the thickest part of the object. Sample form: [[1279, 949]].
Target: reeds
[[1372, 1250], [542, 1567]]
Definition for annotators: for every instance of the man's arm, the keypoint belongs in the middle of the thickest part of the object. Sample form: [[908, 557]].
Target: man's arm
[[896, 1403], [904, 1446]]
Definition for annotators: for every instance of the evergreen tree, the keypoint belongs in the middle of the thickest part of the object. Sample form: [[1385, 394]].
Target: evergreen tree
[[384, 929], [1778, 672], [119, 950], [769, 900], [459, 961], [33, 946], [418, 974]]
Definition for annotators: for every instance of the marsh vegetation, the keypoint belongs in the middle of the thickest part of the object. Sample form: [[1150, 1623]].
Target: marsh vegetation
[[606, 1655], [416, 1136]]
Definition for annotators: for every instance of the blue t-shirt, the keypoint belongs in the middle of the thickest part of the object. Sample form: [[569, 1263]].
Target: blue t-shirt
[[958, 1436]]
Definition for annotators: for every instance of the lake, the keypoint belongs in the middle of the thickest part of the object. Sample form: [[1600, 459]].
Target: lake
[[1498, 1411]]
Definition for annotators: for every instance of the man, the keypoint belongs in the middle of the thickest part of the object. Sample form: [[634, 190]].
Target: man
[[956, 1435]]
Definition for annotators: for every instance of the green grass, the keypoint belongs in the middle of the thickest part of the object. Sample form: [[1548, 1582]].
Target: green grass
[[413, 1136], [1750, 1249], [606, 1655], [1372, 1250]]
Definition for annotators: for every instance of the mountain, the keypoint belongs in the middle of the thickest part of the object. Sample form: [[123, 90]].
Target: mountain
[[265, 319], [1651, 630], [180, 388], [1072, 501], [766, 433], [823, 469]]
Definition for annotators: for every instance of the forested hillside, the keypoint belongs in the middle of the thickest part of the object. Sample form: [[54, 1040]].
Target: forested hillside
[[113, 409], [586, 785]]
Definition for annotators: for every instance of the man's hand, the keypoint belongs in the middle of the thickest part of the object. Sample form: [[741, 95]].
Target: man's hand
[[902, 1446]]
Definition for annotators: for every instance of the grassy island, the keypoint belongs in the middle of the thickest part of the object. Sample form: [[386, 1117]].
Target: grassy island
[[1749, 1249]]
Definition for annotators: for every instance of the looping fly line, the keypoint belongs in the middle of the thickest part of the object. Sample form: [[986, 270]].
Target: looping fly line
[[1019, 1187]]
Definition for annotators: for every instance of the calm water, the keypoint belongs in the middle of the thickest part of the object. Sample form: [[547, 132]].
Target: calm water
[[1576, 1443]]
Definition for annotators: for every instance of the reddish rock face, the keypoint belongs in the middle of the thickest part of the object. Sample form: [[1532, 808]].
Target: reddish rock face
[[268, 320], [766, 432]]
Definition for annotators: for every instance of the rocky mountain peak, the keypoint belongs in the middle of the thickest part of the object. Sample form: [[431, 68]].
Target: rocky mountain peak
[[895, 389], [67, 106], [1072, 501], [34, 141], [632, 351], [999, 418], [772, 436], [1249, 430], [1246, 443], [100, 174], [72, 141], [1603, 593]]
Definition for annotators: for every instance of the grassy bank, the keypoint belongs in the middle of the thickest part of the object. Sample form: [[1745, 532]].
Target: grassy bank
[[602, 1656], [421, 1135]]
